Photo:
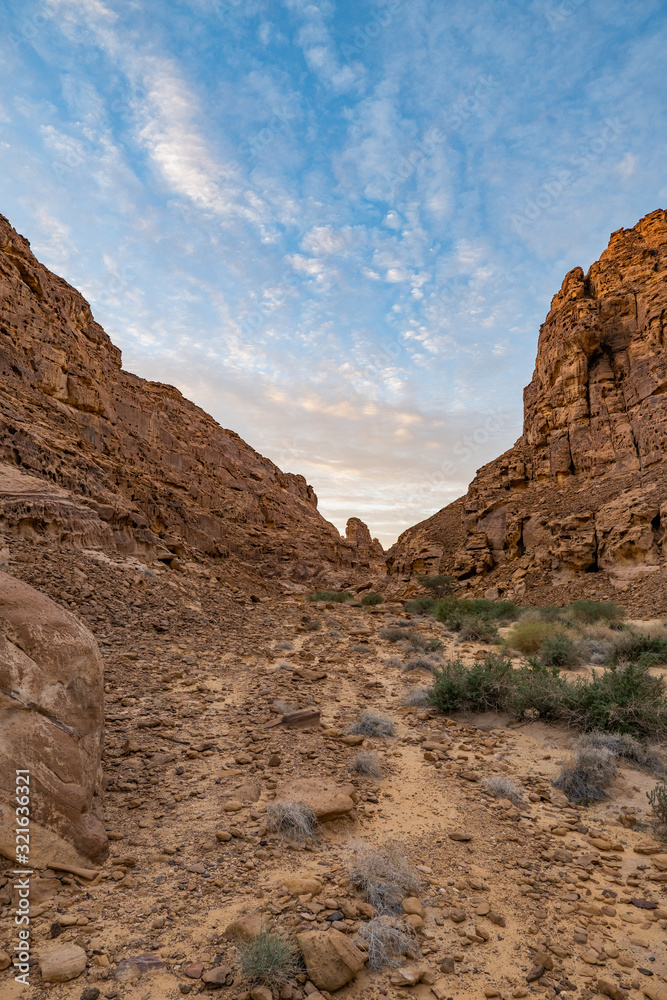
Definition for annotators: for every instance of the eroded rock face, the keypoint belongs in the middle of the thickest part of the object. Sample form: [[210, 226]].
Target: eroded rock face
[[583, 489], [132, 466], [51, 723]]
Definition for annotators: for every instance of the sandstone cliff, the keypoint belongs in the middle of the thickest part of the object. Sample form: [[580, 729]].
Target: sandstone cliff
[[97, 457], [583, 490]]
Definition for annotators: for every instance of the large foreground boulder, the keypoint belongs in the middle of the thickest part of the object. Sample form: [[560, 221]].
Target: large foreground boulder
[[52, 724]]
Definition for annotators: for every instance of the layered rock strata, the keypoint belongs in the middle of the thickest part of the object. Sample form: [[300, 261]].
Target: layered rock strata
[[583, 489], [113, 461]]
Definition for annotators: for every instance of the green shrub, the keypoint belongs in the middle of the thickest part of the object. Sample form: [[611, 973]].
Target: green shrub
[[623, 699], [552, 613], [633, 646], [453, 611], [485, 685], [558, 651], [422, 606], [477, 630], [596, 611], [439, 584], [371, 599], [268, 959], [528, 636], [334, 596]]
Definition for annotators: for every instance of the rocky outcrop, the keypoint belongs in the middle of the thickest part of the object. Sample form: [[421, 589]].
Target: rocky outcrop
[[52, 725], [583, 489], [130, 465]]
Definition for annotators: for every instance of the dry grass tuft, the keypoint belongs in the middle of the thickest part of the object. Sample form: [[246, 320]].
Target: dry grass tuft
[[368, 765], [387, 939], [503, 788], [269, 960], [384, 876], [292, 819], [371, 723]]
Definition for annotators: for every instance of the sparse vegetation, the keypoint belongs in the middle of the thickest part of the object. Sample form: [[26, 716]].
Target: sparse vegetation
[[392, 634], [384, 876], [559, 651], [452, 611], [594, 764], [268, 959], [292, 819], [417, 697], [529, 634], [477, 630], [387, 939], [596, 611], [334, 596], [367, 764], [360, 647], [284, 644], [503, 788], [371, 723], [439, 584], [634, 647], [657, 799], [368, 600], [421, 606], [586, 777], [422, 663], [417, 641], [624, 699]]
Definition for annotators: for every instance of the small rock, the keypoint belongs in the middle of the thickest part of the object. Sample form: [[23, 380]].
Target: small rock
[[194, 971], [458, 835], [447, 964], [220, 976], [246, 926], [223, 836], [490, 992], [90, 993], [610, 989], [413, 905], [130, 969], [5, 961], [535, 973], [407, 975], [232, 805], [261, 993], [457, 914], [274, 760], [497, 918], [62, 962]]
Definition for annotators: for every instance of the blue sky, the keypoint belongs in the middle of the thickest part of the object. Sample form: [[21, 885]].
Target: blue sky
[[336, 226]]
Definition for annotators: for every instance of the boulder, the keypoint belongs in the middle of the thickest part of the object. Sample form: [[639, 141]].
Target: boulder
[[246, 926], [303, 886], [326, 798], [331, 958], [52, 723], [62, 962]]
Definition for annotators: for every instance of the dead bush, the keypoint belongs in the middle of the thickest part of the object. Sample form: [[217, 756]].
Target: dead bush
[[384, 876]]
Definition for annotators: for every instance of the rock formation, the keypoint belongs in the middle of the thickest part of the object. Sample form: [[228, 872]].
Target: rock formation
[[109, 460], [583, 490], [51, 723]]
